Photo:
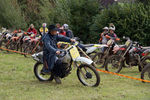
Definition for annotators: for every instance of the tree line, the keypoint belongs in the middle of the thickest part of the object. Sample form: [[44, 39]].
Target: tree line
[[85, 17]]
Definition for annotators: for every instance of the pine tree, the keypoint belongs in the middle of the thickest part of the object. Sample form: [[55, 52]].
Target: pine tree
[[10, 15]]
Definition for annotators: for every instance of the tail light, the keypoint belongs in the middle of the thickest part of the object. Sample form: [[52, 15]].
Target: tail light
[[144, 54], [122, 49]]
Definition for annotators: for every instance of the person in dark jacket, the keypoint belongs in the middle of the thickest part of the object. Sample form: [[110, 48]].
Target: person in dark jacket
[[50, 50], [69, 33]]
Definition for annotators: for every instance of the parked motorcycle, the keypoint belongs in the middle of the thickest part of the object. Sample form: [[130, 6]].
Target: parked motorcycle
[[86, 71], [32, 44], [110, 49], [4, 37], [15, 42], [131, 54]]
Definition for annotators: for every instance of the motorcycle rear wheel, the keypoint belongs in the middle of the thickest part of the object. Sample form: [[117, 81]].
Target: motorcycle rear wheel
[[2, 43], [99, 59], [85, 73], [37, 72]]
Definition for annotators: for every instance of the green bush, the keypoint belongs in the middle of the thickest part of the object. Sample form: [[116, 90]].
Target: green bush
[[131, 20], [78, 14], [36, 11]]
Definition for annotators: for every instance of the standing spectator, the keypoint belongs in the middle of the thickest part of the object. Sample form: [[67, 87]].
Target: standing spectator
[[31, 29], [43, 29], [62, 31], [69, 33], [58, 27]]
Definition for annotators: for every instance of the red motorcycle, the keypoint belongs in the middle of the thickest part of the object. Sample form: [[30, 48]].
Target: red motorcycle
[[32, 44], [131, 54]]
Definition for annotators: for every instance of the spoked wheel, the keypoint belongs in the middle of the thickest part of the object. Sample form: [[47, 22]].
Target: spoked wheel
[[2, 43], [41, 77], [11, 46], [27, 49], [145, 74], [88, 75], [114, 64], [144, 62], [91, 55], [98, 59]]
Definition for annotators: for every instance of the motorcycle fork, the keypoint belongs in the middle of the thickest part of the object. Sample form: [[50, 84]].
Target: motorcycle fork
[[2, 37], [93, 64]]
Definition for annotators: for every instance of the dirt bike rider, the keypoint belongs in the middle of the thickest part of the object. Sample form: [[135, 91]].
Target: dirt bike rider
[[31, 29], [103, 39], [69, 33], [50, 50], [43, 29], [58, 27], [112, 35]]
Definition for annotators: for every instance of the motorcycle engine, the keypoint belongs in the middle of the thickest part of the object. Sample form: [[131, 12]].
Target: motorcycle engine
[[66, 58], [132, 58]]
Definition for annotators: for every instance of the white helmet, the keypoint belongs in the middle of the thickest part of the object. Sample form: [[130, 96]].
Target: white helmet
[[105, 28], [66, 26], [44, 24], [112, 28]]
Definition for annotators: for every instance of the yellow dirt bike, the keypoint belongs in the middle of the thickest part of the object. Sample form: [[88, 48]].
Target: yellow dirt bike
[[86, 71]]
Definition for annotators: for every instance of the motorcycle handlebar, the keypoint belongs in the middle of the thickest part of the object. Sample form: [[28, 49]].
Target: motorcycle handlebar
[[62, 53]]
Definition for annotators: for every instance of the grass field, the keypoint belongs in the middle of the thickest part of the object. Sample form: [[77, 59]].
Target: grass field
[[17, 82]]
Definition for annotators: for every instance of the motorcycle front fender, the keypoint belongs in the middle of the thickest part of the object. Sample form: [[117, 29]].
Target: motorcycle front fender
[[84, 60]]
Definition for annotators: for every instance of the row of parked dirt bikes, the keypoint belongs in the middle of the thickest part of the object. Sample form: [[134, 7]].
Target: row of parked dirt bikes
[[20, 41], [111, 56]]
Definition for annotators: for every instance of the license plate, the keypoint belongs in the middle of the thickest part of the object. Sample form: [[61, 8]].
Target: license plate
[[127, 43], [74, 53], [109, 42]]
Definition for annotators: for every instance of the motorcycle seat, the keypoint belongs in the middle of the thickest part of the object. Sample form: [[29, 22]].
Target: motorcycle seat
[[88, 45]]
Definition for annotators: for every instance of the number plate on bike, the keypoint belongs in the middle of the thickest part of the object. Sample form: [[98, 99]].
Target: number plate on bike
[[109, 42], [74, 53], [127, 43]]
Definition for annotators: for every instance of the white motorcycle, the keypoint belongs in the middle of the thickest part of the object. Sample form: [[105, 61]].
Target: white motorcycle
[[86, 71], [91, 49]]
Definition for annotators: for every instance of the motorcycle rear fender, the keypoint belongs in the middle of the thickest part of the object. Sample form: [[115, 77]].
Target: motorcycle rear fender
[[146, 52], [84, 60]]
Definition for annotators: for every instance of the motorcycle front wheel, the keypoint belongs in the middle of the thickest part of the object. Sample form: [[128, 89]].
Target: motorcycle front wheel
[[114, 64], [144, 62], [145, 74], [41, 77], [88, 75]]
